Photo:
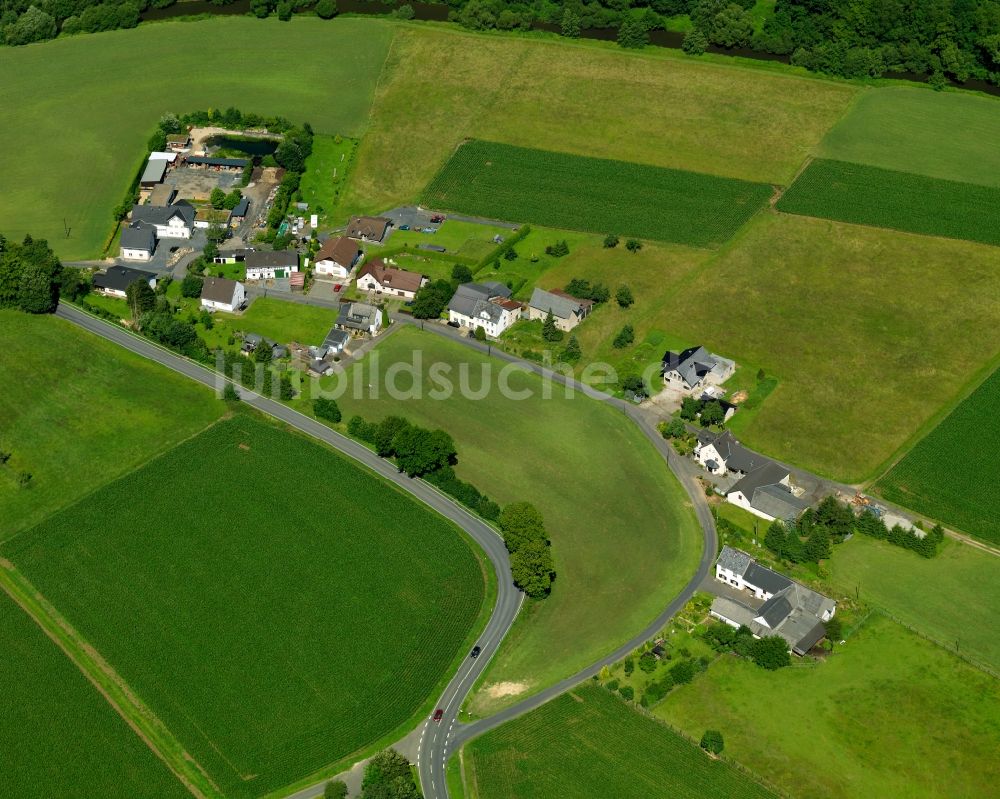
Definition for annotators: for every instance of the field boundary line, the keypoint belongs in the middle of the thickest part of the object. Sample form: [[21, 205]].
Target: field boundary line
[[146, 725], [970, 661]]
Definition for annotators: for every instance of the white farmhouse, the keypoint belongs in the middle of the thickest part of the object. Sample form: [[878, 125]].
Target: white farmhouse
[[767, 492], [170, 222], [222, 294], [721, 453], [337, 257], [138, 242], [689, 369], [267, 265], [359, 318], [486, 305]]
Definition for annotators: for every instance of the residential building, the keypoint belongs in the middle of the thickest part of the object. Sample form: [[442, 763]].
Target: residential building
[[116, 279], [270, 264], [567, 311], [359, 318], [171, 222], [721, 453], [138, 242], [376, 276], [693, 367], [368, 228], [486, 305], [236, 256], [766, 491], [775, 605], [222, 294], [178, 142], [318, 368], [337, 257], [155, 169], [335, 342]]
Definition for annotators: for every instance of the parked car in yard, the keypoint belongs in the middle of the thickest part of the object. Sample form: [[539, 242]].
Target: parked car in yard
[[437, 219], [404, 227], [338, 287]]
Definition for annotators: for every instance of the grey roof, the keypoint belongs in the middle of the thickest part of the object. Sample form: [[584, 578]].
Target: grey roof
[[320, 367], [218, 289], [737, 457], [563, 307], [734, 611], [775, 610], [356, 315], [336, 338], [139, 236], [162, 214], [209, 161], [241, 207], [154, 171], [253, 339], [778, 502], [693, 364], [735, 560], [765, 578], [495, 288], [472, 299], [120, 278], [809, 639], [271, 259]]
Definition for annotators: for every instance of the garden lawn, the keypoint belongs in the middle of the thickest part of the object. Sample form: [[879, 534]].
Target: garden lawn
[[649, 108], [58, 734], [618, 561], [870, 333], [947, 474], [274, 630], [598, 195], [947, 135], [590, 745], [869, 195], [949, 598], [77, 411], [77, 145], [890, 714], [467, 240], [326, 173], [280, 320]]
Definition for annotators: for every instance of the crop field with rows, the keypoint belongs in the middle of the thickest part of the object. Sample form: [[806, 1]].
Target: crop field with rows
[[590, 745], [58, 735], [276, 606], [949, 474], [869, 195], [518, 184]]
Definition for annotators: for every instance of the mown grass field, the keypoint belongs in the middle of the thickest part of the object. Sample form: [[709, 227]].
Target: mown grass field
[[78, 144], [948, 598], [590, 745], [280, 320], [947, 474], [559, 190], [869, 195], [326, 174], [869, 332], [646, 108], [77, 411], [947, 135], [618, 561], [58, 734], [276, 606], [890, 714]]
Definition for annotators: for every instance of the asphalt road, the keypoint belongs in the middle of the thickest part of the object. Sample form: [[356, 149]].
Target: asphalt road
[[437, 740]]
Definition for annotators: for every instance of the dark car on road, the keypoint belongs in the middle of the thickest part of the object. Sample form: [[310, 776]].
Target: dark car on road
[[438, 714], [437, 219], [475, 651]]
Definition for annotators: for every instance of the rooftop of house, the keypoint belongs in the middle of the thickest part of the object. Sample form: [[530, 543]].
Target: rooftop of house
[[391, 277], [241, 207], [218, 289], [357, 315], [119, 278], [271, 259], [471, 299], [561, 304], [337, 339], [139, 236], [341, 250], [161, 215], [765, 490], [736, 457], [372, 228]]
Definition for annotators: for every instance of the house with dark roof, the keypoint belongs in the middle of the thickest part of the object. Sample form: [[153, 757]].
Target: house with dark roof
[[171, 222], [766, 491], [721, 453], [359, 318], [270, 264], [691, 368], [368, 228], [376, 276], [222, 294], [335, 342], [487, 305], [116, 279], [774, 605], [337, 257], [138, 242], [567, 311], [241, 210]]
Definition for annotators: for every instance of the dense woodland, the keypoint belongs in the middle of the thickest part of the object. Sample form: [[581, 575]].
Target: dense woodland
[[945, 39]]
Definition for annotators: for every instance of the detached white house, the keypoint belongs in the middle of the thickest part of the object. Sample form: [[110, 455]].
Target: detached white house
[[766, 491], [138, 242], [116, 279], [267, 265], [567, 311], [376, 276], [222, 294], [486, 305], [170, 222], [689, 369], [721, 453], [360, 318], [337, 257], [774, 605]]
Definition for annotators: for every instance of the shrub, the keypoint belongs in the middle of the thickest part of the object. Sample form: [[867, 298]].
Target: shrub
[[629, 666], [610, 241], [683, 672], [770, 652], [327, 409], [627, 692], [613, 685], [711, 741], [326, 9], [625, 337], [647, 662]]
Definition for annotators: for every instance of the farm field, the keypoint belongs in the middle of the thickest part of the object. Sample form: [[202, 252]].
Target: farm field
[[966, 590], [559, 190], [946, 475], [647, 108], [590, 745], [889, 714], [809, 275], [77, 411], [869, 195], [84, 175], [946, 135], [251, 619], [58, 734], [618, 562]]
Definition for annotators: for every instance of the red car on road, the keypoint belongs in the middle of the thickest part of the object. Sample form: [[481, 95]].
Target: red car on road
[[438, 714]]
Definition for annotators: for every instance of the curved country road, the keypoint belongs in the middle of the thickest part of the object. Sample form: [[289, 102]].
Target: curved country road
[[437, 740]]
